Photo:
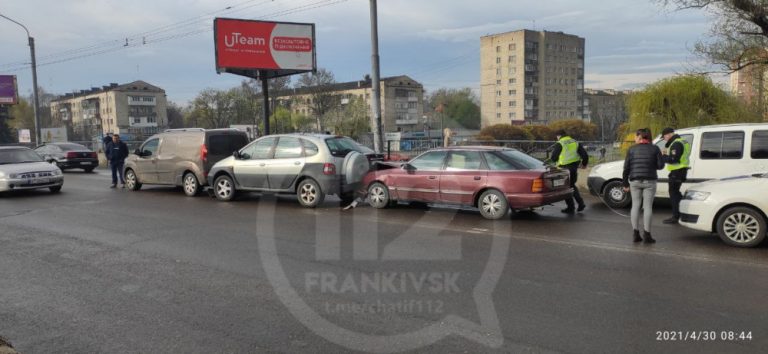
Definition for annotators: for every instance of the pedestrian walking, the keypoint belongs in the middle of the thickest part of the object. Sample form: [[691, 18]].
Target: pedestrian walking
[[569, 154], [677, 154], [117, 151], [639, 178], [106, 140], [602, 153]]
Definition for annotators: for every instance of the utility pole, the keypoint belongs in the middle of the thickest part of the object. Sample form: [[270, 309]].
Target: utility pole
[[375, 85], [35, 98]]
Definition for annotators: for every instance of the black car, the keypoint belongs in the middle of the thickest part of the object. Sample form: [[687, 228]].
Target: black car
[[69, 156]]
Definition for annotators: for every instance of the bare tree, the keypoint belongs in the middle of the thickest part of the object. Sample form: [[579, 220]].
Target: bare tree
[[321, 98]]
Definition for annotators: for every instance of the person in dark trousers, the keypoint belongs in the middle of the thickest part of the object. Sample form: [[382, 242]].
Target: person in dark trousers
[[569, 154], [117, 151], [104, 142], [639, 178], [677, 154]]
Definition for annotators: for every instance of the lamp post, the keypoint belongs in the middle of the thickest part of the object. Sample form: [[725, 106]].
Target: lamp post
[[36, 106]]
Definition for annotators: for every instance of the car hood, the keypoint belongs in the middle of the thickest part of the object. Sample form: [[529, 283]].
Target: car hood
[[28, 167], [731, 183]]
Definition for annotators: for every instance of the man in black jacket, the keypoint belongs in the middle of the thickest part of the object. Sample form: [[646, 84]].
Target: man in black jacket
[[569, 154], [677, 156], [117, 151]]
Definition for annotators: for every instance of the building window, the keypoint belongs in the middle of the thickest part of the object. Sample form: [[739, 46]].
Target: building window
[[512, 47], [512, 92], [498, 60], [498, 48], [498, 82], [498, 93], [498, 115], [498, 71], [512, 81], [498, 104], [512, 114], [512, 59], [512, 103]]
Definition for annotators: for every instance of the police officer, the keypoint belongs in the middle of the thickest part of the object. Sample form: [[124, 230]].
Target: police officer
[[676, 155], [569, 154]]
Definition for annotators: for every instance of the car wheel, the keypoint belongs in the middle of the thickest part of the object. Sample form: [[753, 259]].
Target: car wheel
[[741, 227], [88, 170], [378, 195], [56, 189], [615, 196], [224, 188], [309, 193], [131, 180], [190, 184], [493, 205]]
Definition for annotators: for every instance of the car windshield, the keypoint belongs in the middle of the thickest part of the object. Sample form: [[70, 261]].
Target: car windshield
[[71, 147], [18, 156], [341, 146], [523, 160]]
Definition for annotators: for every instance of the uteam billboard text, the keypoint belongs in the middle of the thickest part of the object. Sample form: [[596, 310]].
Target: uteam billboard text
[[270, 48], [8, 91]]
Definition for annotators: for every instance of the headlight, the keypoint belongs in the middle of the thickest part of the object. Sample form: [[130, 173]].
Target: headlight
[[57, 172], [13, 176], [696, 195]]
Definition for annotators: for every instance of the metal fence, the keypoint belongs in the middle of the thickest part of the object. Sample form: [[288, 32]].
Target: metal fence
[[405, 149]]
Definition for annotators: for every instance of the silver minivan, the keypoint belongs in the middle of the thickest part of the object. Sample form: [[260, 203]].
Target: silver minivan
[[181, 157], [309, 165]]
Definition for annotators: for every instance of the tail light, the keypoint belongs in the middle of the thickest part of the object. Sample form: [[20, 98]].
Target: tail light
[[537, 186], [94, 155], [71, 155], [329, 169], [204, 153]]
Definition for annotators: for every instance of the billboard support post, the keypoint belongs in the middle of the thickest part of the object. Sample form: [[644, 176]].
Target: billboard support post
[[265, 93]]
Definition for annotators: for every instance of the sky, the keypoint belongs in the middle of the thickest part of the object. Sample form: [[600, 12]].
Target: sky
[[629, 43]]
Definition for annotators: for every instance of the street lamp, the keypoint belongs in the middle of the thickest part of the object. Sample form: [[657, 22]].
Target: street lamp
[[36, 106]]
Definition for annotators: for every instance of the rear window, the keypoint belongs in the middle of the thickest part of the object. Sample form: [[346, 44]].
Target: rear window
[[521, 160], [226, 144], [340, 147], [71, 147]]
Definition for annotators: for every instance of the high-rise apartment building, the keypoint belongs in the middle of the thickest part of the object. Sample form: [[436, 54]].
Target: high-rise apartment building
[[531, 77]]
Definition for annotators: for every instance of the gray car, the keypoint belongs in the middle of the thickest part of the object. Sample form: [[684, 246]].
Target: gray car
[[310, 165], [181, 157], [21, 168]]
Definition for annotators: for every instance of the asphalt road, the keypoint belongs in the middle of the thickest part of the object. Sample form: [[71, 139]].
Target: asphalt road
[[99, 270]]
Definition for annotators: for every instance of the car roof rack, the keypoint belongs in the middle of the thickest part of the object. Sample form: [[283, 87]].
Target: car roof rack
[[184, 130]]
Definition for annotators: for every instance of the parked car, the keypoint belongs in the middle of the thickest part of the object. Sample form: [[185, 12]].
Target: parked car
[[69, 155], [735, 208], [493, 179], [22, 168], [717, 151], [310, 165], [181, 157]]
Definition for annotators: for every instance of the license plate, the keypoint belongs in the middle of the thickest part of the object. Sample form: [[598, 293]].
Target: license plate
[[37, 181], [558, 182], [85, 163]]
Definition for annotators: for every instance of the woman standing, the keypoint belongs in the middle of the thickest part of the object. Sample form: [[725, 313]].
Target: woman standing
[[640, 166]]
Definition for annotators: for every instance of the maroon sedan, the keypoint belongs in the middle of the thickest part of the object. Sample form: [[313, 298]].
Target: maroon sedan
[[493, 179]]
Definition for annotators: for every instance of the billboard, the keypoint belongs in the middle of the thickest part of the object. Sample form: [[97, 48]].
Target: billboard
[[25, 136], [264, 49], [8, 91], [53, 135]]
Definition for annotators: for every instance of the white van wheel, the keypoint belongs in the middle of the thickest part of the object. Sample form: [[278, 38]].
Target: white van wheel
[[615, 196]]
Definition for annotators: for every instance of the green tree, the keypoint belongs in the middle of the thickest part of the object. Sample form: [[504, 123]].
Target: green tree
[[540, 132], [285, 121], [351, 119], [459, 107], [504, 132], [685, 101], [6, 134], [321, 99], [576, 128]]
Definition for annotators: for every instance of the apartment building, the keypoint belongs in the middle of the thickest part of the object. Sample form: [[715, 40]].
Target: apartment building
[[136, 109], [606, 109], [749, 84], [531, 77], [402, 100]]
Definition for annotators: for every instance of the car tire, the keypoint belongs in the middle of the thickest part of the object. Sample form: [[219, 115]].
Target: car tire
[[190, 184], [378, 195], [224, 188], [88, 169], [55, 189], [493, 205], [741, 227], [309, 193], [614, 195], [131, 180]]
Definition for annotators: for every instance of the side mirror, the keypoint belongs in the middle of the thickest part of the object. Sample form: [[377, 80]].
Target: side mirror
[[137, 152], [408, 167], [237, 155]]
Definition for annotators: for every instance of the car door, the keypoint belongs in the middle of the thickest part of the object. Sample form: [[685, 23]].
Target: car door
[[720, 154], [287, 163], [251, 168], [464, 174], [167, 159], [146, 163], [421, 178]]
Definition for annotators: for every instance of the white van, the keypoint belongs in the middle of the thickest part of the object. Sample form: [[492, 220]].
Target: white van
[[717, 151]]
